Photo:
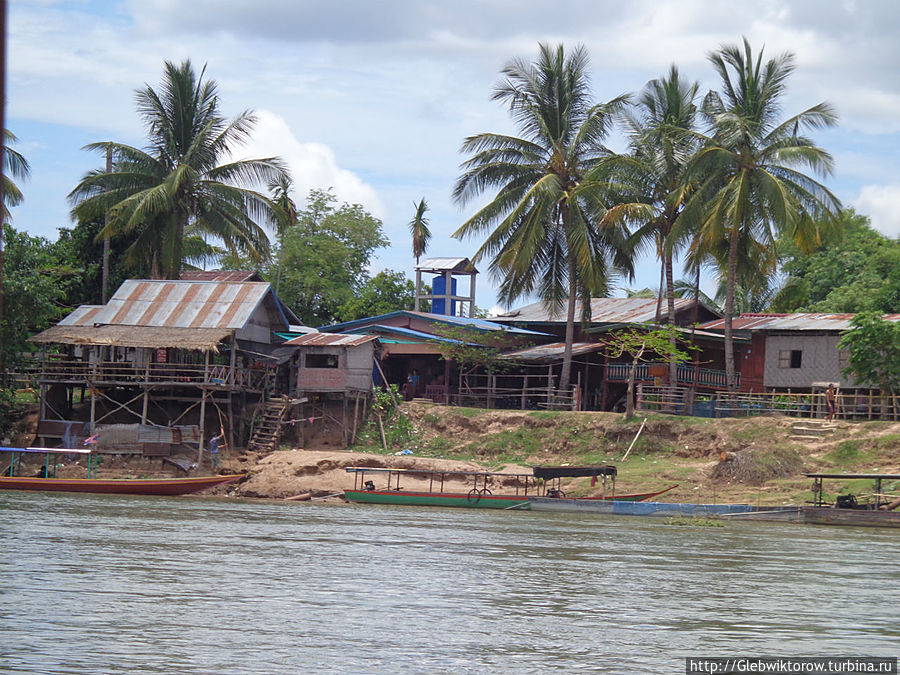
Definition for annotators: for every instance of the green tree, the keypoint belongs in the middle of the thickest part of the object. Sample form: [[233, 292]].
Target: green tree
[[753, 184], [326, 256], [643, 345], [285, 212], [662, 138], [858, 271], [178, 186], [34, 287], [542, 225], [418, 228], [386, 292], [873, 345], [14, 166]]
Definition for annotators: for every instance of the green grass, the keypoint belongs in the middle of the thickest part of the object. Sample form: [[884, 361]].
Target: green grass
[[848, 454], [694, 522]]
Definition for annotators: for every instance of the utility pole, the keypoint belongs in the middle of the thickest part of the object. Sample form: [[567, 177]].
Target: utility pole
[[2, 153], [105, 225]]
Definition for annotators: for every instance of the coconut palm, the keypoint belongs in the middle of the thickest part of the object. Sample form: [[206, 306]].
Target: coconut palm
[[285, 213], [155, 195], [662, 139], [751, 176], [542, 226], [14, 166], [418, 228]]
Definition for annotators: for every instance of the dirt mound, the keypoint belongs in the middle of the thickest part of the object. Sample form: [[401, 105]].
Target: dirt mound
[[756, 467]]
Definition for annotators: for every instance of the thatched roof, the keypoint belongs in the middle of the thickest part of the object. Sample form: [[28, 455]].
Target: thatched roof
[[136, 336]]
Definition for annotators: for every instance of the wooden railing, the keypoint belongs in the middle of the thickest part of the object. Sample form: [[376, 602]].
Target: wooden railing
[[687, 374], [684, 401], [535, 391], [76, 370]]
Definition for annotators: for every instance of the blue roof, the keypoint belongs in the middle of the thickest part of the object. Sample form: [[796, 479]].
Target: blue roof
[[477, 324], [407, 332]]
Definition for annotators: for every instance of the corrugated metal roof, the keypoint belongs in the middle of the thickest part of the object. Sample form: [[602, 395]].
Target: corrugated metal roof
[[796, 321], [446, 265], [552, 352], [219, 275], [603, 310], [176, 304], [743, 322], [330, 340]]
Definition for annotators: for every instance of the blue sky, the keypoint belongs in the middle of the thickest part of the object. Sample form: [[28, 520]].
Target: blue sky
[[374, 98]]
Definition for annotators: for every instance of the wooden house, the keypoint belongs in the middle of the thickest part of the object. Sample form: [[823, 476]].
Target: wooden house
[[180, 355]]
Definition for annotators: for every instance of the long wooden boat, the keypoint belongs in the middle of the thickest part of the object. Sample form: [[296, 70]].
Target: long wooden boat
[[620, 507], [520, 488], [846, 510], [48, 482], [138, 486]]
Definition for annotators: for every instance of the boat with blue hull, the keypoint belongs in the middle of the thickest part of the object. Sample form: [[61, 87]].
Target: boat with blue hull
[[631, 508]]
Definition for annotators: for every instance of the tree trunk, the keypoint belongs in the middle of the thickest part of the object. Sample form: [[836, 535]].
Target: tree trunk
[[729, 308], [670, 308], [629, 397], [566, 374]]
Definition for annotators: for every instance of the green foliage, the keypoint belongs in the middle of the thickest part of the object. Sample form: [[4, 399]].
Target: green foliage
[[326, 256], [873, 345], [694, 521], [34, 288], [540, 229], [178, 186], [386, 292], [858, 270], [473, 349], [398, 428]]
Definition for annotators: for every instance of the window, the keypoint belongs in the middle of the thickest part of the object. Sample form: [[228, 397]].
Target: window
[[790, 358], [321, 361]]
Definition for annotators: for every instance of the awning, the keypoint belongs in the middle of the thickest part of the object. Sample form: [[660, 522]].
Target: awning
[[203, 339]]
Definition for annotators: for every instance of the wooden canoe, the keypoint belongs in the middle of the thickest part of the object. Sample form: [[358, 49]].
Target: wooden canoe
[[142, 486]]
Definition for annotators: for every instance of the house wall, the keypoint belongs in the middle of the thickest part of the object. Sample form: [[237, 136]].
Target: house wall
[[353, 371], [819, 361]]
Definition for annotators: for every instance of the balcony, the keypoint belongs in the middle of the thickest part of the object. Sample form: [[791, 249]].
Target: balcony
[[705, 377]]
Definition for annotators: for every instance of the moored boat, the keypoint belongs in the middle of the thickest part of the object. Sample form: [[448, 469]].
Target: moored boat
[[518, 489], [847, 509], [48, 482], [620, 507], [124, 486]]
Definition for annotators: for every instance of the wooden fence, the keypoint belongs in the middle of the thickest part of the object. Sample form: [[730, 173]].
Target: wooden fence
[[684, 401], [521, 392]]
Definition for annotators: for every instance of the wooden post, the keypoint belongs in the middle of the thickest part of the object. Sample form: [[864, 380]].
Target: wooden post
[[203, 408], [524, 387], [344, 420]]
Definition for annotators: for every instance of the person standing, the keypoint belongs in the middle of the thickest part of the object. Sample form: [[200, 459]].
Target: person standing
[[829, 402], [214, 461]]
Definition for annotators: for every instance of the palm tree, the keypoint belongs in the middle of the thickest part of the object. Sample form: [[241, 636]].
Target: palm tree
[[156, 194], [418, 228], [545, 215], [751, 179], [661, 129], [285, 212], [14, 166]]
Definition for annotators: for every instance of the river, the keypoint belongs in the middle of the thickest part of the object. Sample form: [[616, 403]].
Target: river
[[112, 584]]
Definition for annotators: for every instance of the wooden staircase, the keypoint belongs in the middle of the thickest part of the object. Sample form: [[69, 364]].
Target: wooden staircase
[[267, 434], [811, 430]]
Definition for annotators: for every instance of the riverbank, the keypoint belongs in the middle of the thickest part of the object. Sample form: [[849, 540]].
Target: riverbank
[[750, 460]]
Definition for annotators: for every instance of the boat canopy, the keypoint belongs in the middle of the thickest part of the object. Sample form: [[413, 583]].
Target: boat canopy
[[551, 472]]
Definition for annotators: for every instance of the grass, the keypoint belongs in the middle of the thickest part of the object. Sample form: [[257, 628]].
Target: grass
[[847, 454], [694, 521]]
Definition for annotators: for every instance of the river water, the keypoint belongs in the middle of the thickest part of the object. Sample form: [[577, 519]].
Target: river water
[[110, 584]]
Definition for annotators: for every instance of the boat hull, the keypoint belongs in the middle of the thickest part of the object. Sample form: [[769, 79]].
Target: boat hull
[[823, 515], [635, 508], [459, 500], [150, 486]]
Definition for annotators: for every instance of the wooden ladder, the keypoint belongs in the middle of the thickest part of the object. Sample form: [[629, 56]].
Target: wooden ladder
[[268, 433]]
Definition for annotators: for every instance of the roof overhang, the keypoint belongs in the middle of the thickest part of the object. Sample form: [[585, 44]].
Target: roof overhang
[[203, 339]]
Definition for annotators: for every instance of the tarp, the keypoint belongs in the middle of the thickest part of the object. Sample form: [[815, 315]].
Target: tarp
[[549, 472]]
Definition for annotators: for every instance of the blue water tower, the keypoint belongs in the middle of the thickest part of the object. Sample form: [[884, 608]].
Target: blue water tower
[[445, 297]]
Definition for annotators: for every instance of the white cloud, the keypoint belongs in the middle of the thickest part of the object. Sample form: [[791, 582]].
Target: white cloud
[[880, 203], [312, 165]]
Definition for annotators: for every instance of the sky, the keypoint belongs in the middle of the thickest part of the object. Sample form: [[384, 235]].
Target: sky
[[373, 99]]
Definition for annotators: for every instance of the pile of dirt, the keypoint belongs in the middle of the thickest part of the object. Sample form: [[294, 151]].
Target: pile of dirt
[[756, 467]]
